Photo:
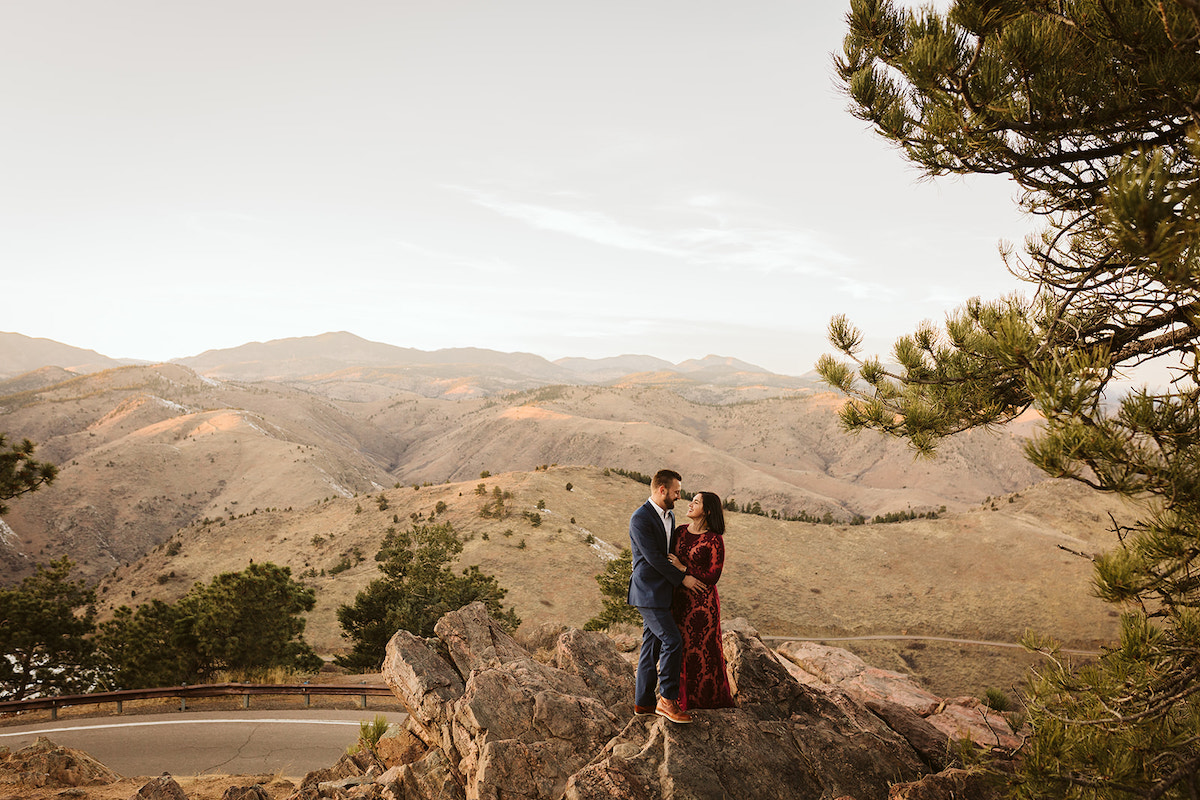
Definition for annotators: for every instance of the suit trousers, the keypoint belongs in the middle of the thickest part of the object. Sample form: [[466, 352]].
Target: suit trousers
[[661, 657]]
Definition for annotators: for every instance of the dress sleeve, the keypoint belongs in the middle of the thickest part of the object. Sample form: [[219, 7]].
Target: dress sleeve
[[679, 542], [708, 559]]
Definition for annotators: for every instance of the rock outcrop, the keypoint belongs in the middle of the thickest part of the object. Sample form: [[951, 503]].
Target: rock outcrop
[[497, 724], [255, 792], [45, 764], [164, 787], [891, 695], [489, 721]]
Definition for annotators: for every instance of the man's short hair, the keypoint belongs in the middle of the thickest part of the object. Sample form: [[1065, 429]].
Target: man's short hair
[[664, 477]]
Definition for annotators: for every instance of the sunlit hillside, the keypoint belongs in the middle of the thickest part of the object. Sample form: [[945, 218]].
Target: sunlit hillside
[[988, 573], [303, 452], [144, 450]]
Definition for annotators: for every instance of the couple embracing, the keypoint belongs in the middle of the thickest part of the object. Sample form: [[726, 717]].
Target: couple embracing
[[674, 587]]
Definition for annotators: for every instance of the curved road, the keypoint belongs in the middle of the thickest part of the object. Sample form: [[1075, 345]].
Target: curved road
[[288, 743]]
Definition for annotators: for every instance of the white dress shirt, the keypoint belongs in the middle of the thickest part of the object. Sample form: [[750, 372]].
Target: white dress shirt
[[668, 521]]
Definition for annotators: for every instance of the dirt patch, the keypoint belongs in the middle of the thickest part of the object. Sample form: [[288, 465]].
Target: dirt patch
[[203, 787]]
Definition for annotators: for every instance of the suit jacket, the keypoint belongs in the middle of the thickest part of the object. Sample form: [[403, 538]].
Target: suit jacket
[[653, 580]]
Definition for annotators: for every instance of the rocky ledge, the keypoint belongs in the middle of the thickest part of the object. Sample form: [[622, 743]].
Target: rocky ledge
[[487, 720]]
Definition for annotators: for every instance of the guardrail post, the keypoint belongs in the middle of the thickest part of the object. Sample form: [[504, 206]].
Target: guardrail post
[[245, 701], [362, 701], [307, 700], [54, 711], [118, 706], [183, 704]]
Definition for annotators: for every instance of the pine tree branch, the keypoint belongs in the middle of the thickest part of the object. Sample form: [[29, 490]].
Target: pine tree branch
[[1185, 770]]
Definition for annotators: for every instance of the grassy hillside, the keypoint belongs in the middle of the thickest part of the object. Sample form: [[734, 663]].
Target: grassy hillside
[[144, 451], [988, 573]]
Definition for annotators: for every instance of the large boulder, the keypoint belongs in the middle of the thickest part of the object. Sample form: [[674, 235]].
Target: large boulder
[[433, 777], [958, 719], [45, 764], [164, 787], [822, 665], [592, 656], [521, 727], [425, 682]]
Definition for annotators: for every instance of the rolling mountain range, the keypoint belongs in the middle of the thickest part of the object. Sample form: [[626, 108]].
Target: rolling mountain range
[[147, 449], [304, 451], [345, 360]]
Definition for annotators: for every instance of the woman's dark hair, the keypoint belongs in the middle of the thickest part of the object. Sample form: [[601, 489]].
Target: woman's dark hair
[[714, 515]]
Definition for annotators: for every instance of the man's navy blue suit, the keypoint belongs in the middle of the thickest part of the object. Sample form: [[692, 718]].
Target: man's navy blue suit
[[651, 587]]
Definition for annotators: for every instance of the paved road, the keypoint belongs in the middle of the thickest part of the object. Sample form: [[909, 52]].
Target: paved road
[[289, 743]]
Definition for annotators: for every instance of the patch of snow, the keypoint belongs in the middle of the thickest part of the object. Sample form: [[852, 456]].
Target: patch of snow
[[251, 423], [606, 551], [343, 491], [8, 537], [208, 380], [171, 404], [259, 424], [605, 555]]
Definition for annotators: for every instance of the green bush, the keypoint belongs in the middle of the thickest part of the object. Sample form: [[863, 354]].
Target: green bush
[[369, 734], [997, 700], [614, 594], [417, 588]]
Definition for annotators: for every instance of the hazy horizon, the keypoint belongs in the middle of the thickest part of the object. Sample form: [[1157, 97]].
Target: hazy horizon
[[561, 179]]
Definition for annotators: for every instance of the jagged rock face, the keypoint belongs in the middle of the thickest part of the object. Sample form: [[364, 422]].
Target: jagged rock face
[[592, 656], [500, 724], [507, 725], [891, 694], [245, 793], [45, 764], [784, 740], [163, 787]]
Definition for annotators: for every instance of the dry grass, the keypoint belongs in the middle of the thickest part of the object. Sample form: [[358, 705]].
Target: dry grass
[[979, 574], [145, 451], [198, 787]]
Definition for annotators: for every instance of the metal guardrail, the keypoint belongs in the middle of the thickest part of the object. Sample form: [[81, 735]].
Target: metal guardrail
[[201, 690]]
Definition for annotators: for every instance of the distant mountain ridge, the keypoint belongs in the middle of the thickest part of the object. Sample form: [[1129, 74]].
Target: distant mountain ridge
[[332, 354], [20, 354], [603, 369], [344, 359]]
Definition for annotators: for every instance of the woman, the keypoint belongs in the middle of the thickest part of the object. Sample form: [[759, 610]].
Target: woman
[[700, 550]]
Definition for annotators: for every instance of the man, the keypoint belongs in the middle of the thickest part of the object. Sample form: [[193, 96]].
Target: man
[[651, 587]]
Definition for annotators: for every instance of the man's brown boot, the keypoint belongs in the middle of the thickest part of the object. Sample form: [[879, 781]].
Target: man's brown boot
[[671, 710]]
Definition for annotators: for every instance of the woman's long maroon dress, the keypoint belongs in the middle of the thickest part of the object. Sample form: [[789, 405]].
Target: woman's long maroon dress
[[702, 682]]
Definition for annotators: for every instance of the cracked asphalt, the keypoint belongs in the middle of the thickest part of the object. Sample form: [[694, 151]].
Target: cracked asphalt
[[288, 743]]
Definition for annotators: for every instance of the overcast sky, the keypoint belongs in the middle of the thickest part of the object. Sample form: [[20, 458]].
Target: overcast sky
[[566, 178]]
